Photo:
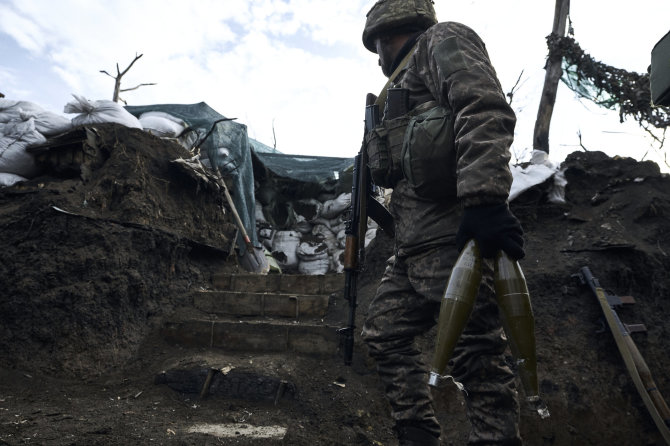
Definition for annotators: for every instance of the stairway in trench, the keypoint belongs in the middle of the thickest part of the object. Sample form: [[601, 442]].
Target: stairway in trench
[[240, 339], [260, 314], [267, 346]]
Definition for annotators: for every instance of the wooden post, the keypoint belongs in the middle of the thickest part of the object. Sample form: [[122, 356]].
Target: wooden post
[[552, 76]]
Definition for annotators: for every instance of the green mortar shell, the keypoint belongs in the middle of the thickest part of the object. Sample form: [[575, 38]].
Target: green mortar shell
[[517, 319], [457, 302]]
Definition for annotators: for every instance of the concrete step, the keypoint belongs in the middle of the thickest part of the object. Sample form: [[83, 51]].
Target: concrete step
[[279, 283], [253, 336], [244, 303]]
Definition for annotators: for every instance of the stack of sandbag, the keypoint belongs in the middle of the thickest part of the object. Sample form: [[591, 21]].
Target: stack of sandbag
[[314, 243], [24, 124], [100, 111]]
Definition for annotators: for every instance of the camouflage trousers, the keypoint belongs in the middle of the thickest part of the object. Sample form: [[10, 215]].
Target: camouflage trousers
[[406, 306]]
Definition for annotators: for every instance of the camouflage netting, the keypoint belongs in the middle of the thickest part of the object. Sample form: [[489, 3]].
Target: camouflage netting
[[607, 86]]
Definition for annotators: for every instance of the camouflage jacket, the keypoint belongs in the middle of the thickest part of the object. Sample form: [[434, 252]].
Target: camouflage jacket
[[450, 65]]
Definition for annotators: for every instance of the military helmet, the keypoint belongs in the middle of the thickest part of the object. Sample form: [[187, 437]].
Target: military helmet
[[399, 16]]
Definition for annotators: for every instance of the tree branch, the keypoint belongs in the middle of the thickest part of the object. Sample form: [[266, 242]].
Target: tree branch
[[510, 95], [579, 135], [131, 64], [117, 80], [136, 87]]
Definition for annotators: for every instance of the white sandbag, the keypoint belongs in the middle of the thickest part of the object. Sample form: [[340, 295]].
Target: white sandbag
[[284, 246], [46, 122], [335, 224], [51, 124], [312, 249], [10, 110], [6, 104], [23, 131], [537, 172], [14, 158], [338, 224], [266, 236], [327, 235], [314, 267], [101, 111], [16, 137], [260, 216], [342, 239], [336, 260], [10, 179], [162, 124], [557, 191], [333, 208], [302, 225], [309, 208]]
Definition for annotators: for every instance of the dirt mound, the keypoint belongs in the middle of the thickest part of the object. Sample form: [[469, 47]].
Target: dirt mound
[[93, 255], [93, 259]]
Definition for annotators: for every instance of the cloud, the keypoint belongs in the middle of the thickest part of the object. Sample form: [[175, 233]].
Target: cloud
[[297, 65], [27, 33]]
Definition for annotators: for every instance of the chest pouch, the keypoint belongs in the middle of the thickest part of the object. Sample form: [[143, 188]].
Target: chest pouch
[[384, 146], [428, 154]]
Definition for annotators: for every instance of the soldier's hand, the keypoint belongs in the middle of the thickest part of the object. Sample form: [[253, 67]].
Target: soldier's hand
[[494, 228]]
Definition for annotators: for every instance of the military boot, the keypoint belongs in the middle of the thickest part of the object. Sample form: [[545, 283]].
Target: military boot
[[415, 436]]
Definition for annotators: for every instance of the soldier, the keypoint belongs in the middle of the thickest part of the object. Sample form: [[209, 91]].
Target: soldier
[[444, 69]]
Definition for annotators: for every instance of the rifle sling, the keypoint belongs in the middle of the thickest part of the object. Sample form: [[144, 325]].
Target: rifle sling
[[381, 99], [381, 215]]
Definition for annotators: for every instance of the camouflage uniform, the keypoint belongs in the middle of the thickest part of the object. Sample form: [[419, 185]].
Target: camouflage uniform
[[449, 65]]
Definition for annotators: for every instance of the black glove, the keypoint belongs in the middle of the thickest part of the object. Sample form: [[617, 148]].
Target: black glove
[[494, 228]]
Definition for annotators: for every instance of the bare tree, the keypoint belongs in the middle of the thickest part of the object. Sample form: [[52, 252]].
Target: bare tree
[[514, 89], [117, 80], [552, 76]]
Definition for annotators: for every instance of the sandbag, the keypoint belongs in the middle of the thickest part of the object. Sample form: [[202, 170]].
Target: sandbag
[[97, 112], [10, 179], [302, 225], [333, 208], [162, 124], [325, 233], [15, 138], [284, 246], [260, 216], [336, 261], [312, 249], [342, 239], [309, 208], [47, 123], [314, 267], [266, 235]]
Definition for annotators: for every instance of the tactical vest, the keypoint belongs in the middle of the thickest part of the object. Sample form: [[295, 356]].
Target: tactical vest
[[417, 145]]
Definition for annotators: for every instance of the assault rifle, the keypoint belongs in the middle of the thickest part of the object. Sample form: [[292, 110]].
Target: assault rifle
[[363, 205], [635, 363]]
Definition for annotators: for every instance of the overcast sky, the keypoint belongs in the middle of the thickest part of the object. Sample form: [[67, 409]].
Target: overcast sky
[[299, 66]]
